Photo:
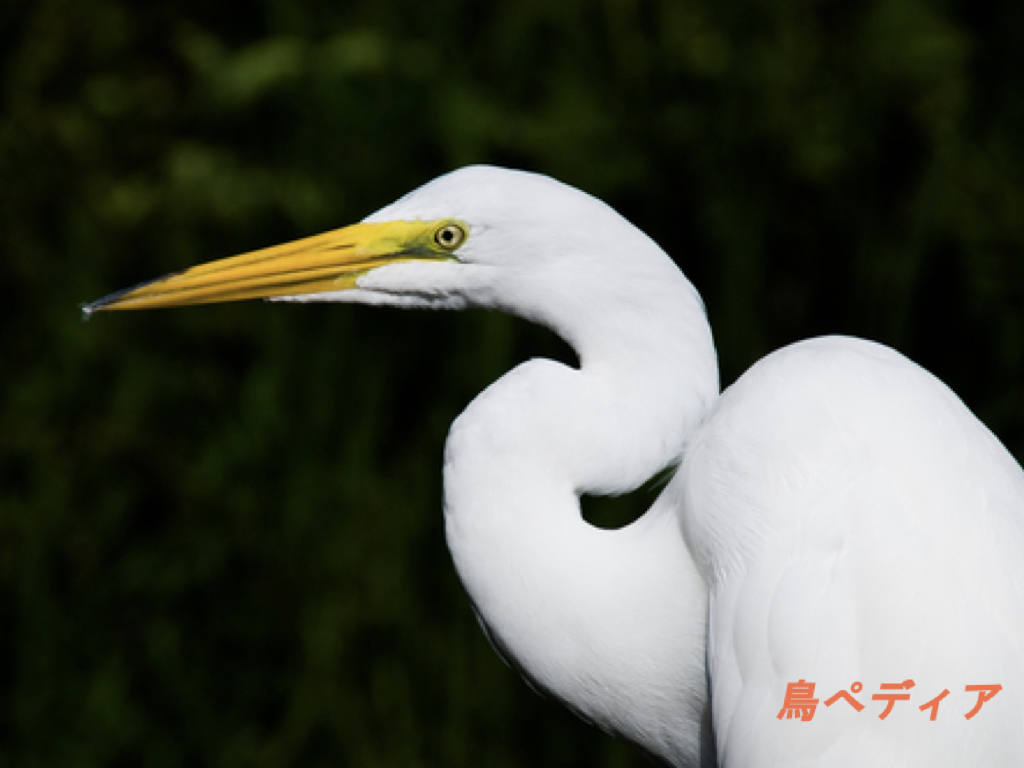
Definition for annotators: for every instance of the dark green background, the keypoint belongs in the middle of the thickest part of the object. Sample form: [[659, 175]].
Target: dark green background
[[221, 540]]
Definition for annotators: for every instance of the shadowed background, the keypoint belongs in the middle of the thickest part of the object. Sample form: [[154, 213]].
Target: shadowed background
[[221, 541]]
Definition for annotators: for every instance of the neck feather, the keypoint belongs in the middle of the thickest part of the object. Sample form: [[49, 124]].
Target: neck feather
[[610, 622]]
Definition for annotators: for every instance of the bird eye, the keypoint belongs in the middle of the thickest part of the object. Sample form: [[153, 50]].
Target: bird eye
[[450, 236]]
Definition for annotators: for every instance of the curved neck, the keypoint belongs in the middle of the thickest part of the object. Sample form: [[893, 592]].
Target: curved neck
[[610, 622]]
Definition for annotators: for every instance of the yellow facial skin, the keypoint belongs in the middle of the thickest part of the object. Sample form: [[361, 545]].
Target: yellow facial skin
[[332, 261]]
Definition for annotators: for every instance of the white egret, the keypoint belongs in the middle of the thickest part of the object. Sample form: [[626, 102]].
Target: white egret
[[838, 516]]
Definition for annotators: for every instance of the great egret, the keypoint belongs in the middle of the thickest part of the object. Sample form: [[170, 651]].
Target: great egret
[[838, 516]]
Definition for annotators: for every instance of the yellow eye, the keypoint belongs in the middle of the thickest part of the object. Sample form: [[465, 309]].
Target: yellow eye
[[450, 236]]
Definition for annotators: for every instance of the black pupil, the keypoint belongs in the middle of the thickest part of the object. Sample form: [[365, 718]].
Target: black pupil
[[448, 236]]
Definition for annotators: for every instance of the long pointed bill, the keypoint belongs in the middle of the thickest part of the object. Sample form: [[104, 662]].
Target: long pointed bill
[[332, 261]]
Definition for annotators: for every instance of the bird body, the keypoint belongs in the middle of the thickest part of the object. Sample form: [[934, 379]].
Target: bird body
[[856, 523], [838, 515]]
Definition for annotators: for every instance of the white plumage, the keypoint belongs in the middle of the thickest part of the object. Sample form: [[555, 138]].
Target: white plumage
[[856, 523], [838, 515]]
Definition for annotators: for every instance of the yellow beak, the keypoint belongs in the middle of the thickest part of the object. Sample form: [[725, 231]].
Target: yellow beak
[[333, 261]]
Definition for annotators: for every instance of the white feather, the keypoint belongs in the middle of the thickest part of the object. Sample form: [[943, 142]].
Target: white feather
[[839, 515]]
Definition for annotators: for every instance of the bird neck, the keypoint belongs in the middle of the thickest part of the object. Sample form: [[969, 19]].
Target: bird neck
[[612, 623]]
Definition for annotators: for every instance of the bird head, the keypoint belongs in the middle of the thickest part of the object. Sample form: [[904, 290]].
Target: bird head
[[479, 236]]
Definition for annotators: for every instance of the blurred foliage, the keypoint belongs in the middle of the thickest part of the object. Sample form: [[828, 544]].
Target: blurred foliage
[[220, 531]]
